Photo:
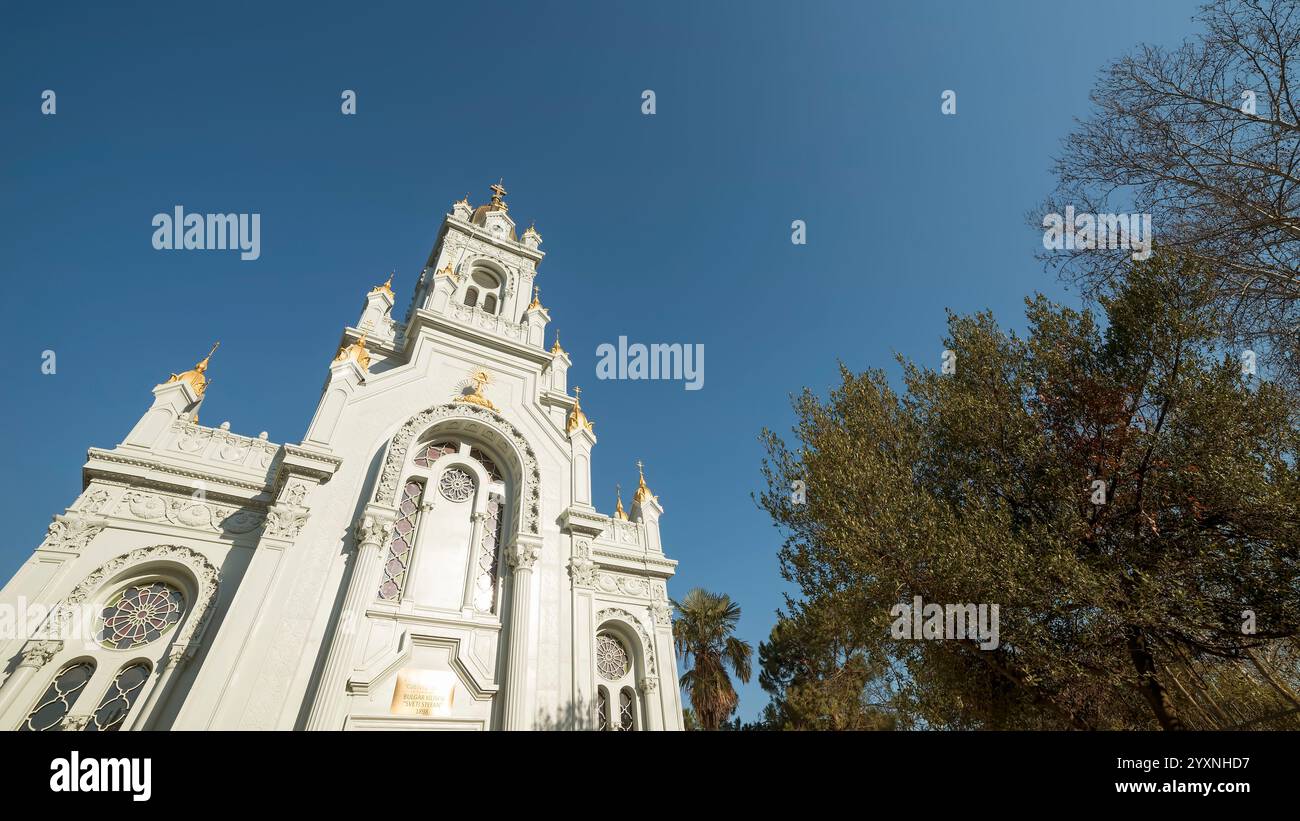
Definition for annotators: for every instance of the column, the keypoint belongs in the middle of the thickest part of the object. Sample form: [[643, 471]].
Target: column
[[522, 556]]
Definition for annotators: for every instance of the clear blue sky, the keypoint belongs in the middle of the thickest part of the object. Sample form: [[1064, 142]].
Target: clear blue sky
[[668, 228]]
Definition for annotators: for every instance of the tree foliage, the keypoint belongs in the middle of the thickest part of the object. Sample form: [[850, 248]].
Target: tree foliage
[[702, 636], [1205, 137], [979, 487]]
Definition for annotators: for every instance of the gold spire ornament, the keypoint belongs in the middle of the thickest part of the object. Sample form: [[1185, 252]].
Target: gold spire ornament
[[556, 350], [642, 492], [476, 397], [357, 353], [578, 419], [196, 376], [498, 196], [619, 513], [387, 286], [536, 303]]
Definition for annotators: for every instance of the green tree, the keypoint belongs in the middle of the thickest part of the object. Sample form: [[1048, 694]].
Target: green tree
[[702, 635], [980, 486]]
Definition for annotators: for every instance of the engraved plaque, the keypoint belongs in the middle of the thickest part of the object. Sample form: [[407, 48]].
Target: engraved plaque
[[423, 693]]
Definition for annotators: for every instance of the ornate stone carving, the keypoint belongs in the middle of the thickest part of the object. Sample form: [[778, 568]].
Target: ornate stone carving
[[389, 478], [188, 512], [37, 654], [74, 723], [294, 493], [662, 613], [284, 521], [649, 685], [94, 501], [374, 531], [73, 531], [625, 585], [581, 567], [523, 555]]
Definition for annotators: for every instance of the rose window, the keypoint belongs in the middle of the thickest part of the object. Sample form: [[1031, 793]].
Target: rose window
[[456, 484], [140, 614], [611, 658]]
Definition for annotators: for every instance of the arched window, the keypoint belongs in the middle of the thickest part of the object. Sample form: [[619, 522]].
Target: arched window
[[485, 290], [59, 697], [485, 582], [616, 666], [399, 549], [626, 712], [116, 704], [602, 708], [452, 560]]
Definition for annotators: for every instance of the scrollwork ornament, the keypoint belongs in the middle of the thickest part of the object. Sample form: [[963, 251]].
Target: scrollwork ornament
[[37, 654]]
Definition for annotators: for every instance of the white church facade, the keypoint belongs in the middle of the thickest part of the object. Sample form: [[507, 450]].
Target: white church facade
[[429, 556]]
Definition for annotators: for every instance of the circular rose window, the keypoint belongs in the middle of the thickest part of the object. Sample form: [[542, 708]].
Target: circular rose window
[[140, 614], [611, 658], [456, 484]]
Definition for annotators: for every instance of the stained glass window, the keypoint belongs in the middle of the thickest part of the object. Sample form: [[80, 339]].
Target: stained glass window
[[626, 721], [611, 658], [488, 464], [456, 484], [140, 614], [59, 697], [116, 703], [432, 452], [602, 708], [485, 582], [399, 549]]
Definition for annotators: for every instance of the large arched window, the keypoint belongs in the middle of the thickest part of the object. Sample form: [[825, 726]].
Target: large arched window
[[63, 692], [616, 699], [445, 551]]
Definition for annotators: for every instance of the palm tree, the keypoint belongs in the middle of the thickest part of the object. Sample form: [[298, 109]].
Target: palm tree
[[702, 631]]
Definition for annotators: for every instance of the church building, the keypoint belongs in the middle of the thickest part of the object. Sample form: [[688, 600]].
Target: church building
[[428, 556]]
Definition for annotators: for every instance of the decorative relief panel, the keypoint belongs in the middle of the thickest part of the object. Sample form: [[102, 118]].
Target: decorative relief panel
[[223, 446], [625, 585], [188, 512], [496, 323]]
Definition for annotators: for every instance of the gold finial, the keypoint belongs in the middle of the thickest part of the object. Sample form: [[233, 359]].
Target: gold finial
[[578, 419], [357, 353], [387, 286], [498, 194], [196, 376], [465, 200], [556, 350], [619, 513], [536, 303], [642, 492], [445, 271], [480, 378]]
